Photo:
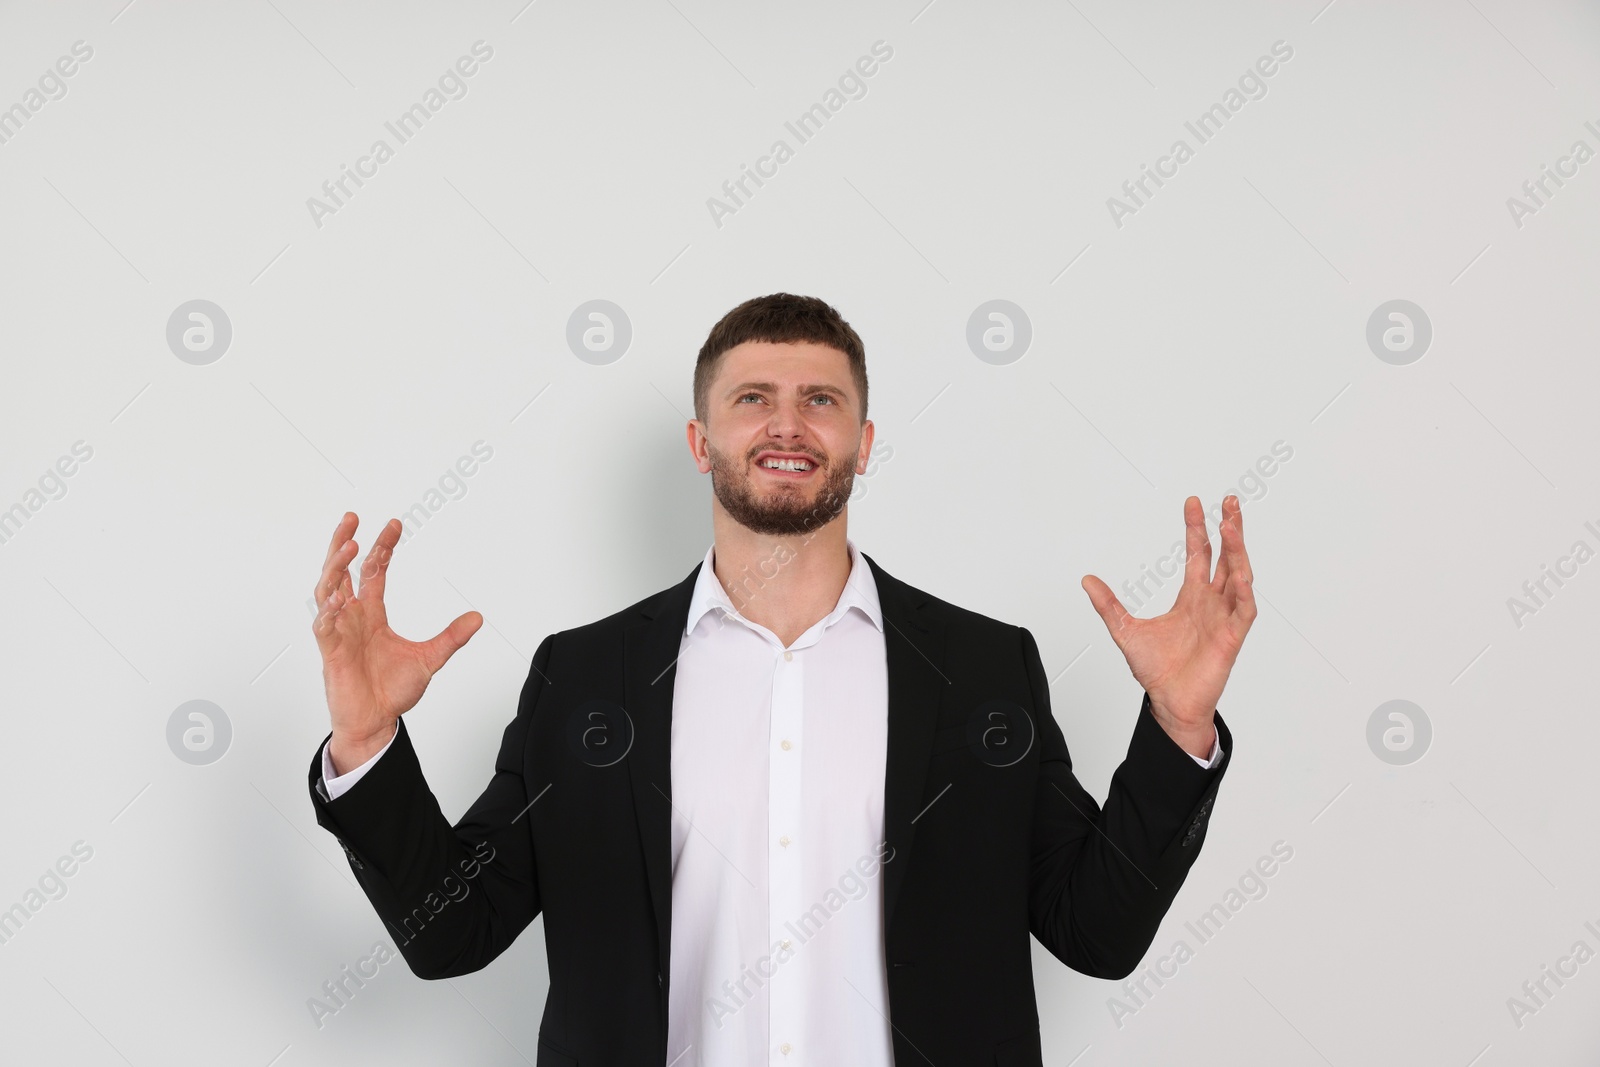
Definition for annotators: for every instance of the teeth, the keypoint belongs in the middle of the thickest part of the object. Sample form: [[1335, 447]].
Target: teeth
[[786, 464]]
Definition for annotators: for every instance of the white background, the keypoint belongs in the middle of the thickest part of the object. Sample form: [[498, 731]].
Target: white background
[[1169, 355]]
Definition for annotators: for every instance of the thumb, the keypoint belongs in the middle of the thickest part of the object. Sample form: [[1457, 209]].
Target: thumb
[[437, 652], [1105, 602]]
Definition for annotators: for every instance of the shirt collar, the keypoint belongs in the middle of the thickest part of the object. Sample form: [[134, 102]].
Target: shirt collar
[[860, 591]]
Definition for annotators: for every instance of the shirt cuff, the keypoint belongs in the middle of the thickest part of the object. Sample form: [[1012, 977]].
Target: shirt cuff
[[336, 785], [1208, 763]]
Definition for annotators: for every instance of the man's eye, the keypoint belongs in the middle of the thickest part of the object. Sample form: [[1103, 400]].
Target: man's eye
[[819, 396]]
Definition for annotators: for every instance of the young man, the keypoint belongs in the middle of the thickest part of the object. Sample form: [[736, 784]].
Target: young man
[[790, 810]]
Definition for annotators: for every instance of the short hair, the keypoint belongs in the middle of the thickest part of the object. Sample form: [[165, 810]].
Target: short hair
[[781, 318]]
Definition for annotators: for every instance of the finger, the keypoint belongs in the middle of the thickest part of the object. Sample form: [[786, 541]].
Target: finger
[[1230, 515], [1244, 607], [1197, 545], [437, 652], [1110, 609], [1239, 596], [341, 533], [335, 574], [375, 568], [1240, 573], [326, 621]]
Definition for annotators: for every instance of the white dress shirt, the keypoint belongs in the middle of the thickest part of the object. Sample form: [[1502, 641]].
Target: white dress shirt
[[778, 758]]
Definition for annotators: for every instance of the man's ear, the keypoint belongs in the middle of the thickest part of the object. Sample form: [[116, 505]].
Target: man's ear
[[864, 453], [696, 435]]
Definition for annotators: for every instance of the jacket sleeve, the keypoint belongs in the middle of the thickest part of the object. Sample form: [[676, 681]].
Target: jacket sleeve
[[454, 897], [1102, 879]]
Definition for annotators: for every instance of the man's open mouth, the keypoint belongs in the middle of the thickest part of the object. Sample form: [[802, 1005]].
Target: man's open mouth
[[798, 466]]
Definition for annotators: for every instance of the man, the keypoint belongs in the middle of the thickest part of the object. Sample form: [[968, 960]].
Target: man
[[790, 810]]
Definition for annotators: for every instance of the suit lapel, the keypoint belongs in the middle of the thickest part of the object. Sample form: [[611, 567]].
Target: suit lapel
[[913, 647], [650, 667]]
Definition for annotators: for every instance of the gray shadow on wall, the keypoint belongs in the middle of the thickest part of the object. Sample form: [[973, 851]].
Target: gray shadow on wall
[[667, 509]]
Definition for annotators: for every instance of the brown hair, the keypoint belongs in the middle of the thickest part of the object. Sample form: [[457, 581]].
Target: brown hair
[[778, 319]]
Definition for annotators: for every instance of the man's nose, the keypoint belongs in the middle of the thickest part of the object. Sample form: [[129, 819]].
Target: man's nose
[[786, 421]]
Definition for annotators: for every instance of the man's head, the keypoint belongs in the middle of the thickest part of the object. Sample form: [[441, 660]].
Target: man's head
[[781, 378]]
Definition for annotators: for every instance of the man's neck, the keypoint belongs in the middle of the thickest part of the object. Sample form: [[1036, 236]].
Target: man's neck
[[786, 583]]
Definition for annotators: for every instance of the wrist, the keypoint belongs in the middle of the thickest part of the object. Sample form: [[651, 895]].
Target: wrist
[[347, 751], [1196, 735]]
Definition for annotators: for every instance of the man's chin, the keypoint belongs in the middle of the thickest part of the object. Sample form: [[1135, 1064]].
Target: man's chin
[[779, 521], [797, 507], [801, 518]]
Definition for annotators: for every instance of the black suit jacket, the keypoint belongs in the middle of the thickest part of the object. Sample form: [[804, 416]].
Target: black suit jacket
[[992, 837]]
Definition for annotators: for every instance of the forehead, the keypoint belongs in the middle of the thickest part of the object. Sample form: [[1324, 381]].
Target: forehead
[[777, 361]]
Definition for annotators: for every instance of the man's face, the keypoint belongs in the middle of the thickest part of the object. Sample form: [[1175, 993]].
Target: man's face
[[775, 406]]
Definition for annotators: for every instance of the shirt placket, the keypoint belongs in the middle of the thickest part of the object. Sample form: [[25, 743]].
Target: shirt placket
[[784, 869]]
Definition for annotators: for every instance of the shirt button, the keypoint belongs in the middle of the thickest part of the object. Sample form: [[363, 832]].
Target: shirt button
[[787, 655], [784, 943], [787, 744], [784, 1048], [784, 840]]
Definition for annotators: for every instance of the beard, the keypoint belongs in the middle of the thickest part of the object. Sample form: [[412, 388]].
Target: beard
[[785, 508]]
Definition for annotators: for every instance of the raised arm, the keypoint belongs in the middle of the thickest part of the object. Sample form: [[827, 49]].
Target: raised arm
[[454, 897], [1102, 878]]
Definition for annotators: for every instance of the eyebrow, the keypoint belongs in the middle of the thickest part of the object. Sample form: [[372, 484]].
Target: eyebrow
[[770, 387]]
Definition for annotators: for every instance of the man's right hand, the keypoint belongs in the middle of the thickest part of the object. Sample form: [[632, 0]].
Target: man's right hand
[[372, 674]]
